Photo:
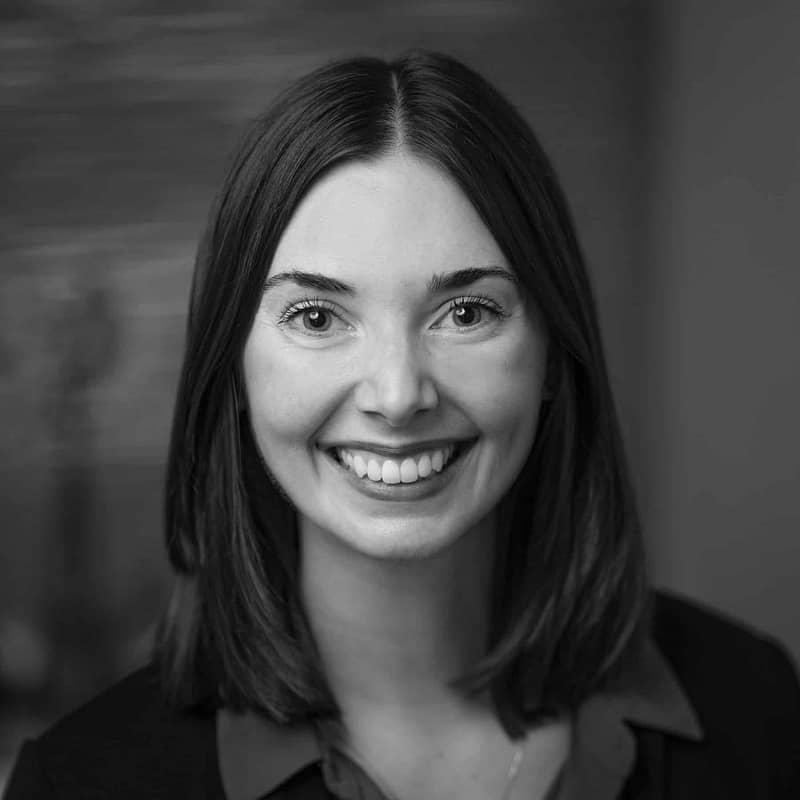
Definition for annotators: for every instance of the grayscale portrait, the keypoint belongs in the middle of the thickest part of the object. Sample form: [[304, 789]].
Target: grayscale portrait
[[399, 402]]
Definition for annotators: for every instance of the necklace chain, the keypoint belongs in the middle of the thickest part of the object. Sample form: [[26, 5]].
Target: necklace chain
[[513, 771]]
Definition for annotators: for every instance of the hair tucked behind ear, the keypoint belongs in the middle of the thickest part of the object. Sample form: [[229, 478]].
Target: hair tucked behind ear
[[569, 604]]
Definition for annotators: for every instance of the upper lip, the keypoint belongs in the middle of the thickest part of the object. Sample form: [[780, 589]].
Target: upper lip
[[389, 450]]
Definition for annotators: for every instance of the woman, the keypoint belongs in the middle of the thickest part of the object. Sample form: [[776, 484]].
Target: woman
[[408, 553]]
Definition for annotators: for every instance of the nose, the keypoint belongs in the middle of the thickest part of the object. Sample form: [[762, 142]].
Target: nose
[[395, 383]]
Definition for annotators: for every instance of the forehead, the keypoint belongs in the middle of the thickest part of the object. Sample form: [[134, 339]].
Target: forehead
[[397, 215]]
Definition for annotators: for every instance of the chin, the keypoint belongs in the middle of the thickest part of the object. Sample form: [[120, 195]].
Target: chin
[[408, 538], [404, 545]]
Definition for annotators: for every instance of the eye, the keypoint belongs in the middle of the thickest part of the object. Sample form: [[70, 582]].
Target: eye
[[316, 319], [466, 313], [312, 317]]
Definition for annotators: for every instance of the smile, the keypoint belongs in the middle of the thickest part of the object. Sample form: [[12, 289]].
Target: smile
[[412, 469]]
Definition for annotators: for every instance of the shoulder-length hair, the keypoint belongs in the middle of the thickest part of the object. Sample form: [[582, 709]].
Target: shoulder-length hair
[[570, 592]]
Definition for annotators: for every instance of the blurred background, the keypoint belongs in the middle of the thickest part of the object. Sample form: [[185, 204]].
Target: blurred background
[[676, 130]]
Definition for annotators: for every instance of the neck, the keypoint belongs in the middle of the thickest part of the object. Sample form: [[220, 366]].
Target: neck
[[392, 634]]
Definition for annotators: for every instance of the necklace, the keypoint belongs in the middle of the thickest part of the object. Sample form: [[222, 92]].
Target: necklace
[[508, 787], [513, 771]]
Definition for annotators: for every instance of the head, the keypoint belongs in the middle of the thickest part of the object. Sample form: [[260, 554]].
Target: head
[[394, 370], [511, 386]]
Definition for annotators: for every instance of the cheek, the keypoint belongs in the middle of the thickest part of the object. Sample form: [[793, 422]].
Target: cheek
[[501, 388], [284, 394]]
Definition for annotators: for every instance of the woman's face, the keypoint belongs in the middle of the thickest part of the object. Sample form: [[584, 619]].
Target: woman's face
[[393, 371]]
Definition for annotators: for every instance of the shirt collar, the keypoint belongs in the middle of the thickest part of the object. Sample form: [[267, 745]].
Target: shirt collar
[[603, 752], [256, 755]]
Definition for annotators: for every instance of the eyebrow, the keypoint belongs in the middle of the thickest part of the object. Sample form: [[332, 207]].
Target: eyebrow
[[309, 280], [440, 282], [461, 278]]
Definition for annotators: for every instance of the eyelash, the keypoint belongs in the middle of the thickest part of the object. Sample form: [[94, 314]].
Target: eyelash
[[306, 304], [476, 300], [311, 303]]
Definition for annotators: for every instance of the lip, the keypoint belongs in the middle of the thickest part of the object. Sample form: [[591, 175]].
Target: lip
[[419, 490], [398, 450]]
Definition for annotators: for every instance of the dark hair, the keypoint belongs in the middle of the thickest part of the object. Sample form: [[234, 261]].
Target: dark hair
[[570, 592]]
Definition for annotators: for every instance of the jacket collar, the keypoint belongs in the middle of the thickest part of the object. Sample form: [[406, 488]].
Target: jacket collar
[[604, 746], [256, 755]]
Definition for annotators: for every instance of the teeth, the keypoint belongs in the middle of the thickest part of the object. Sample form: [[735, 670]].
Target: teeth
[[408, 471], [424, 466], [389, 470]]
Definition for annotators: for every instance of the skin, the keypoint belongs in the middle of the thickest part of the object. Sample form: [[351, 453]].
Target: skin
[[396, 586]]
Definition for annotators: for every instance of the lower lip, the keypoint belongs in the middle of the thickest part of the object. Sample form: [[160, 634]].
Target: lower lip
[[418, 490]]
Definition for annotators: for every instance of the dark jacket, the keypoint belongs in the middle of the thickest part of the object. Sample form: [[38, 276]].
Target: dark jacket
[[743, 689]]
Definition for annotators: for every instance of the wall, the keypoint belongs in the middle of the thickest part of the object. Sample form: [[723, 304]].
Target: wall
[[720, 310]]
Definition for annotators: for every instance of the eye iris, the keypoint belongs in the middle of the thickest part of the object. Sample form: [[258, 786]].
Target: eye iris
[[466, 315], [316, 319]]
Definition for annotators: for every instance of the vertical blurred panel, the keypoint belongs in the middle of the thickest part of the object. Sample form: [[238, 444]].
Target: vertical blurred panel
[[720, 365]]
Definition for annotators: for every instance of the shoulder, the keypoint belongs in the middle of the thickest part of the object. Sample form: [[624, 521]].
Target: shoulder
[[741, 683], [712, 650], [128, 740]]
